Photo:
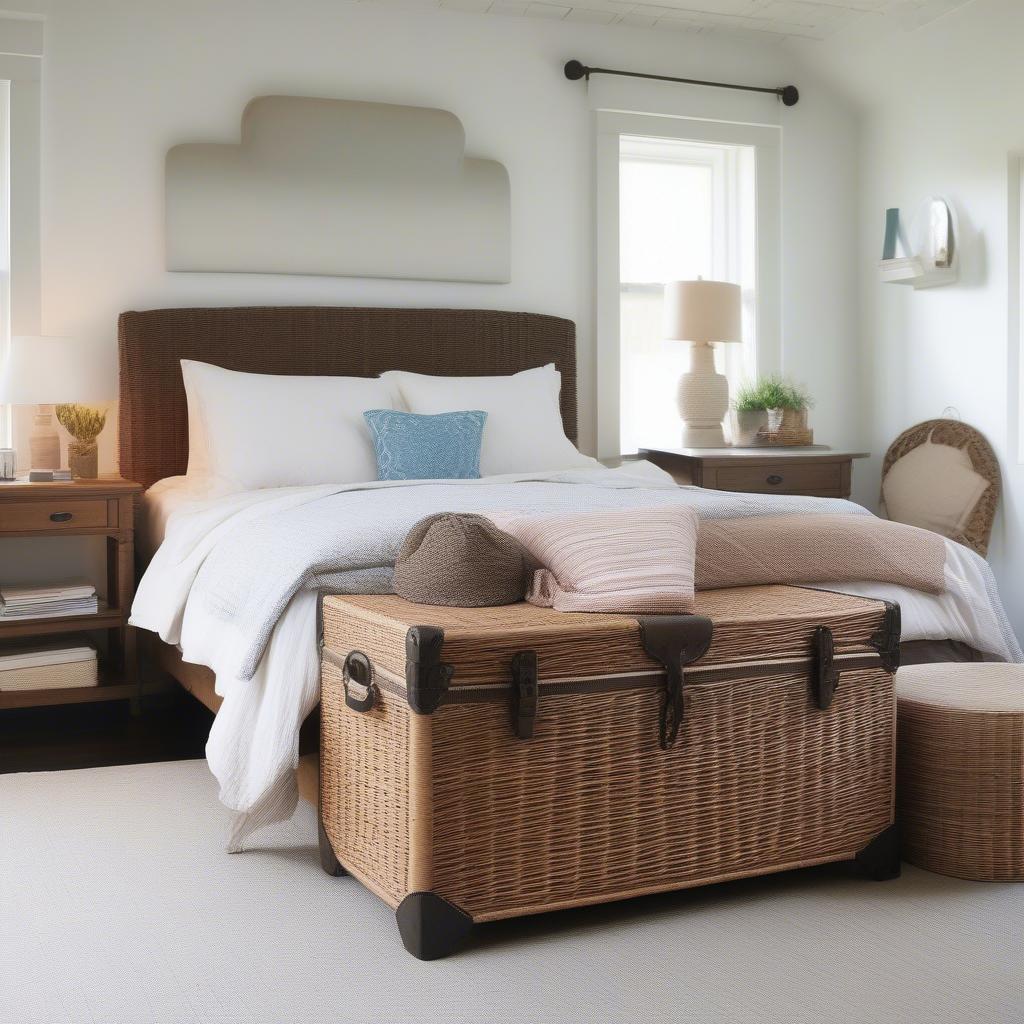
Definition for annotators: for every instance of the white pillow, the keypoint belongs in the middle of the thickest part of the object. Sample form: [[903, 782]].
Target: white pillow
[[933, 486], [272, 430], [198, 447], [523, 432]]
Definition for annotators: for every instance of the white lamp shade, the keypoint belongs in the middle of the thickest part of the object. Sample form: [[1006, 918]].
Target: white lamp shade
[[703, 311], [48, 371]]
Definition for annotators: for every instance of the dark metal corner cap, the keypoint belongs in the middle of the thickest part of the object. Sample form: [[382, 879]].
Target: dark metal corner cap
[[426, 676], [886, 640], [430, 926]]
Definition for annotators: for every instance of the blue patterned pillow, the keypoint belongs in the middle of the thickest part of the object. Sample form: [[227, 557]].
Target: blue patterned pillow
[[414, 447]]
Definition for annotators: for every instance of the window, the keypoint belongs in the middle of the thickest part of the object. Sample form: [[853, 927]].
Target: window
[[21, 48], [6, 431], [678, 199], [686, 210]]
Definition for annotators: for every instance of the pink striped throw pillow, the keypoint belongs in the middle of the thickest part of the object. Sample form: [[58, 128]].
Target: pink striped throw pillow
[[639, 561]]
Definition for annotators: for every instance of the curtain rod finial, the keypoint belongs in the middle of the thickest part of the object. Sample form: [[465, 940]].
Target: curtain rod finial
[[574, 70], [790, 95]]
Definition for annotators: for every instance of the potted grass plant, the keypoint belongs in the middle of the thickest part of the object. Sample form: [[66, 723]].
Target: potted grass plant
[[771, 410]]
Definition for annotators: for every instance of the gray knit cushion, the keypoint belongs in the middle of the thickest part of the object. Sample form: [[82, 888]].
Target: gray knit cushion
[[463, 560]]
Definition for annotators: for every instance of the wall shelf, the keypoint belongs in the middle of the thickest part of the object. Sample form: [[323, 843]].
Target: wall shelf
[[933, 258]]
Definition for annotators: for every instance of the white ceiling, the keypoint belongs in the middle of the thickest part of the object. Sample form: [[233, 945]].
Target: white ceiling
[[814, 19]]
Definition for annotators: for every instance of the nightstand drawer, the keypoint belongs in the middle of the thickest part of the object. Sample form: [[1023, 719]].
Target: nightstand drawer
[[56, 514], [813, 478]]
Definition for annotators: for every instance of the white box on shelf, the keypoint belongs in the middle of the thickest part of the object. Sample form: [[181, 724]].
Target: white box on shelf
[[48, 668]]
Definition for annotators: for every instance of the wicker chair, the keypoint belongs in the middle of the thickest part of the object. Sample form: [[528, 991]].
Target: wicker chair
[[960, 769], [978, 530]]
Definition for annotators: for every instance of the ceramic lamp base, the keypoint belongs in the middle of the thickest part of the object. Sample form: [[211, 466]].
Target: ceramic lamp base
[[44, 442], [704, 437], [703, 400]]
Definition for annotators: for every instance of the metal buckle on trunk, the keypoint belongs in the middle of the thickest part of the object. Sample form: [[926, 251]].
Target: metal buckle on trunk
[[825, 675], [525, 693], [672, 706], [674, 641]]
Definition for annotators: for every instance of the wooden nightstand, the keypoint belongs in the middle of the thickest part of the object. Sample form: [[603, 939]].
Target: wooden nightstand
[[817, 471], [104, 508]]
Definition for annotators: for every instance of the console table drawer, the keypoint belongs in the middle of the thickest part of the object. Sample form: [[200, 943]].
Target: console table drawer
[[55, 515], [815, 471], [794, 478]]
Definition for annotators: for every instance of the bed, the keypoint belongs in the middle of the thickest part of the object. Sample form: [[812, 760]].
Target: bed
[[364, 342], [153, 425]]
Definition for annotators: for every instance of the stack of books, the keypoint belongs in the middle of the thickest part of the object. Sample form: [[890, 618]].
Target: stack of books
[[898, 264], [53, 602], [49, 667]]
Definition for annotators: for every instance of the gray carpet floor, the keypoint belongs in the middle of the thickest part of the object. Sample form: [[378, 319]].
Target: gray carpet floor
[[118, 906]]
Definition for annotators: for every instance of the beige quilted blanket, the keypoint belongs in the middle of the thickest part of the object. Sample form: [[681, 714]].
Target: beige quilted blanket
[[643, 560], [818, 549]]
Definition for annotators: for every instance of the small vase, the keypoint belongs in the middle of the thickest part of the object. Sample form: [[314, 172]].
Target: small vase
[[746, 425], [83, 459]]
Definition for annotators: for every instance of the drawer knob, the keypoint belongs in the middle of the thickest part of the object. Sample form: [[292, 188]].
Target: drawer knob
[[60, 517], [775, 479]]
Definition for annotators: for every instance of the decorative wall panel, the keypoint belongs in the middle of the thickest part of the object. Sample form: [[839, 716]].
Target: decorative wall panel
[[339, 187]]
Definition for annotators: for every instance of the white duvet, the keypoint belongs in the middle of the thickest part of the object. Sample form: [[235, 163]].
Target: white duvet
[[253, 745]]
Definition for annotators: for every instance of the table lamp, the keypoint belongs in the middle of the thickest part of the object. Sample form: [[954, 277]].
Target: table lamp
[[702, 313], [47, 371]]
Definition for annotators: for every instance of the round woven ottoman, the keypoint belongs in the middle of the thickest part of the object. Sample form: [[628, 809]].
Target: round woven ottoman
[[960, 769]]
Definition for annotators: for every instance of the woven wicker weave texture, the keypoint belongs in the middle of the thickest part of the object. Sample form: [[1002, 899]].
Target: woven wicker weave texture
[[591, 809], [961, 769], [327, 340], [978, 531]]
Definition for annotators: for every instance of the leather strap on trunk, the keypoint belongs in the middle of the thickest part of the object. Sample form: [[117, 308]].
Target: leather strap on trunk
[[675, 641]]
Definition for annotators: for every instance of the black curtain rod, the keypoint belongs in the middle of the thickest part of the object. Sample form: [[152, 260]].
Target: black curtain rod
[[574, 71]]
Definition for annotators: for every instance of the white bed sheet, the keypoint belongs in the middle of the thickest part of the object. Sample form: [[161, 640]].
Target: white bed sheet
[[164, 498]]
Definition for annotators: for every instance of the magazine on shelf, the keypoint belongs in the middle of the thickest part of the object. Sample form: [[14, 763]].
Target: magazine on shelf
[[56, 610], [40, 595], [48, 602]]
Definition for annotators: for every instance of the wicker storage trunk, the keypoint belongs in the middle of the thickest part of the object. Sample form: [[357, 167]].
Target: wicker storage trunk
[[486, 763]]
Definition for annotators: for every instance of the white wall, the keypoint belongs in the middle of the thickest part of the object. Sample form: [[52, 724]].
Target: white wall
[[126, 79], [942, 111]]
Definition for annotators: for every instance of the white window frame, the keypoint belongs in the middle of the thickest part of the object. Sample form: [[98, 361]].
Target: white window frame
[[21, 51], [766, 142]]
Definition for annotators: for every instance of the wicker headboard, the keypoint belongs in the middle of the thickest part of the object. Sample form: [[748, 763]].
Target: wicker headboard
[[321, 340]]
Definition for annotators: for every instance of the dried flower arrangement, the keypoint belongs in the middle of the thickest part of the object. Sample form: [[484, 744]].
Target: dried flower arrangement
[[84, 424]]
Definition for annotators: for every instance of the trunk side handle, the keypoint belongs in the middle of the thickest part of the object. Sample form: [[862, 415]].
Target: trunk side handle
[[357, 676]]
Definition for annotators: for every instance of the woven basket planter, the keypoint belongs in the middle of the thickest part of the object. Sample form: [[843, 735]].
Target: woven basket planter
[[83, 459], [771, 428]]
